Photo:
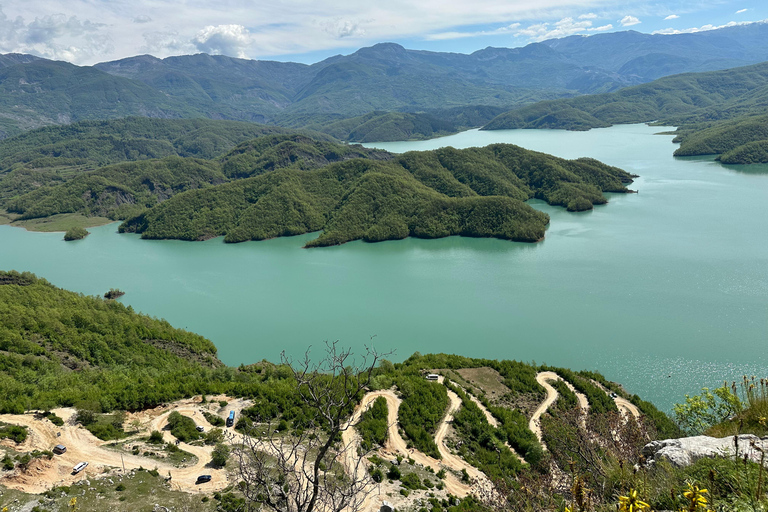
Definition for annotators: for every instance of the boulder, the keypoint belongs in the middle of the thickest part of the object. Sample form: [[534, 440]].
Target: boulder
[[687, 450]]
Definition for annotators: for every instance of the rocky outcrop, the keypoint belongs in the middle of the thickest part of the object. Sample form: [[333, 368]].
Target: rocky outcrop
[[687, 450]]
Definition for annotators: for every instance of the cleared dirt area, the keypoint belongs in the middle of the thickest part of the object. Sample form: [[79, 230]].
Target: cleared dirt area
[[488, 380]]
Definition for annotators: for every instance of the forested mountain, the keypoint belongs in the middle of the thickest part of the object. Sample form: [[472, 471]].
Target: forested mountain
[[284, 184], [740, 141], [471, 192], [55, 154], [41, 92], [385, 77], [725, 104]]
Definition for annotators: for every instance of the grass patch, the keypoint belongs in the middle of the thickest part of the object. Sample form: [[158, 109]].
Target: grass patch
[[61, 222], [141, 490]]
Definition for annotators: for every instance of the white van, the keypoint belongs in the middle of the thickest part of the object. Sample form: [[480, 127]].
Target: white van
[[81, 466], [432, 376]]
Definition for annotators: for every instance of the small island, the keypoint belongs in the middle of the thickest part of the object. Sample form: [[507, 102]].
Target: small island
[[76, 233], [114, 293]]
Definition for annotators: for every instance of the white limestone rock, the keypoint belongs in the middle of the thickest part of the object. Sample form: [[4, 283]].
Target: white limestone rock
[[687, 450]]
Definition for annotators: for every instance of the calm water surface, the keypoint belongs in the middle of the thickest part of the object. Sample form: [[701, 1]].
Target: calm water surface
[[665, 291]]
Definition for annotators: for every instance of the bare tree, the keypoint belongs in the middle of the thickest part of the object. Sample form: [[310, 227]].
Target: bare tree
[[312, 469]]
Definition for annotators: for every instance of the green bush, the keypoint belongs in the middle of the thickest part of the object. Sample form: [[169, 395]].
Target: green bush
[[75, 233], [373, 424], [393, 473], [183, 427], [220, 455], [156, 437], [213, 419], [16, 433]]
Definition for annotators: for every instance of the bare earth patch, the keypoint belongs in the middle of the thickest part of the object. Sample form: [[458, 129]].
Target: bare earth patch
[[488, 380]]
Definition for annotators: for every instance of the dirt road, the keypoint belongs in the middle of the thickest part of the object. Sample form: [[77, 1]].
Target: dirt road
[[82, 446], [625, 406], [542, 377]]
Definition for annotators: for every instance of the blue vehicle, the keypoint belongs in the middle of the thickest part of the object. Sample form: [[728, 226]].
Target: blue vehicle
[[231, 419]]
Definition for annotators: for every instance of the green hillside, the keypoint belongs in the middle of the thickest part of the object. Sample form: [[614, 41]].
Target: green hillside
[[44, 92], [674, 100], [738, 141], [716, 111], [55, 154], [287, 184], [123, 190], [381, 126], [471, 192], [60, 348]]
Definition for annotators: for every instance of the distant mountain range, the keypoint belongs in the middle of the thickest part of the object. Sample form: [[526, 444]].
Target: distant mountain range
[[383, 78]]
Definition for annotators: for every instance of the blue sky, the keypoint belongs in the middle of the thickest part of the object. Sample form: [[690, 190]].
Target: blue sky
[[90, 31]]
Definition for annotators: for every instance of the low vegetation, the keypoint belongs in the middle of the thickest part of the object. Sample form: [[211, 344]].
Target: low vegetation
[[482, 445], [423, 407], [373, 425], [75, 233]]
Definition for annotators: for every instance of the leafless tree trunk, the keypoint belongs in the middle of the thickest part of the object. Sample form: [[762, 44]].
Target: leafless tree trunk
[[310, 469]]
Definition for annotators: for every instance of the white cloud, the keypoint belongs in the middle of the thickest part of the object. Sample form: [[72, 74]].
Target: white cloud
[[54, 36], [628, 21], [672, 17], [163, 43], [231, 40], [564, 27], [340, 28], [442, 36], [601, 29], [704, 28], [741, 11], [89, 31]]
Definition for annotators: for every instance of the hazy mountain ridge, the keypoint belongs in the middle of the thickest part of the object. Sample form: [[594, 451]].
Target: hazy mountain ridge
[[384, 77]]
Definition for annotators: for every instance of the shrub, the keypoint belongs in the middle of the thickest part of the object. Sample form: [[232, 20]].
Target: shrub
[[220, 455], [216, 421], [411, 481], [183, 428], [393, 473], [76, 233], [214, 436], [16, 433], [155, 437]]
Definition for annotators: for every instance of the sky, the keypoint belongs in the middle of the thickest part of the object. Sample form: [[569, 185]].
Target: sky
[[85, 32]]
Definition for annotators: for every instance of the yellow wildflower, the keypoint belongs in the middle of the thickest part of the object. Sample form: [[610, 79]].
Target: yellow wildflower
[[696, 498], [631, 503]]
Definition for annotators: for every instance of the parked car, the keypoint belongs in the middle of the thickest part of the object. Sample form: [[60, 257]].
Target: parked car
[[203, 479], [81, 466], [59, 449], [200, 428], [614, 395]]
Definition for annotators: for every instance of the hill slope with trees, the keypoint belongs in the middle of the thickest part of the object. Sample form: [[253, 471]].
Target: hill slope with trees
[[717, 111], [471, 192]]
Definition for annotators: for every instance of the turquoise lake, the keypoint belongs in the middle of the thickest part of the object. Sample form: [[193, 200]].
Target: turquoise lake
[[665, 291]]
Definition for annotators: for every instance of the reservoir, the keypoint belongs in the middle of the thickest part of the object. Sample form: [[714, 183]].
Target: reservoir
[[665, 291]]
